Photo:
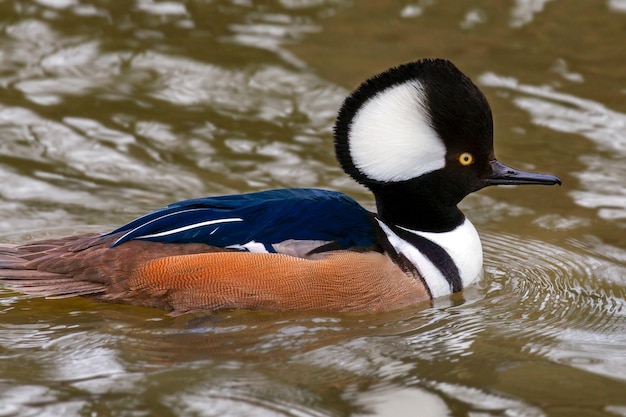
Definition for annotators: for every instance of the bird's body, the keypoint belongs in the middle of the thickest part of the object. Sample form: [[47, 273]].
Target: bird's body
[[419, 136]]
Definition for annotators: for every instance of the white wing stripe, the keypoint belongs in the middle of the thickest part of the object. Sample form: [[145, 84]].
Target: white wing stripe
[[151, 221], [189, 227]]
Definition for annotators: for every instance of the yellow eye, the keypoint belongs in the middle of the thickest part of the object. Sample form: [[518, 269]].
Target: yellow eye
[[466, 159]]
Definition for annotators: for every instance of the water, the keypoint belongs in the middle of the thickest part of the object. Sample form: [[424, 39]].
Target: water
[[111, 109]]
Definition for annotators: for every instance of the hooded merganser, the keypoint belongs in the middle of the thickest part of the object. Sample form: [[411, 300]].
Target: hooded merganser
[[419, 136]]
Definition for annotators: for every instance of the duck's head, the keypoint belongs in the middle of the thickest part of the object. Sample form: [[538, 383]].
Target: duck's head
[[420, 136]]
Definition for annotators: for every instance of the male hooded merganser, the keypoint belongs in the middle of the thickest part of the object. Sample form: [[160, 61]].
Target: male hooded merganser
[[419, 136]]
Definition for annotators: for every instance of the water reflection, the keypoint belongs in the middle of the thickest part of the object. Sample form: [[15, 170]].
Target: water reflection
[[524, 11], [139, 143], [564, 293], [271, 32], [274, 362], [602, 184], [110, 109]]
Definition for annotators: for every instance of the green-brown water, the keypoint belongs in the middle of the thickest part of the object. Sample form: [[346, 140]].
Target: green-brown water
[[109, 109]]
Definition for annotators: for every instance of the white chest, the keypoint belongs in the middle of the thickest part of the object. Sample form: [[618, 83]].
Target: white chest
[[462, 245]]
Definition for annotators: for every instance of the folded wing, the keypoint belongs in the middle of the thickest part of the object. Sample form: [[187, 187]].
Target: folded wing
[[265, 221]]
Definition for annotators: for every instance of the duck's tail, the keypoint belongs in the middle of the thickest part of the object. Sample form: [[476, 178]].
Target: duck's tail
[[30, 268], [85, 265]]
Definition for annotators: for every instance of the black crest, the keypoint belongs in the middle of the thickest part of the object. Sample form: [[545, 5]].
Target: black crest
[[458, 111]]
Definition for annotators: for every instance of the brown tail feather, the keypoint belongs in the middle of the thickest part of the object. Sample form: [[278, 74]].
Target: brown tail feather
[[80, 265], [19, 270]]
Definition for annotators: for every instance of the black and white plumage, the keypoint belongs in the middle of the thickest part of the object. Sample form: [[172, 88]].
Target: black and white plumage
[[419, 136]]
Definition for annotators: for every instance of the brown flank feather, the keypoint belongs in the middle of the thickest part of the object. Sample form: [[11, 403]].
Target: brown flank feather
[[181, 278]]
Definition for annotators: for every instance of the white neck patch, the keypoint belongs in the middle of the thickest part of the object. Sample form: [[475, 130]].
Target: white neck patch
[[462, 244], [391, 138]]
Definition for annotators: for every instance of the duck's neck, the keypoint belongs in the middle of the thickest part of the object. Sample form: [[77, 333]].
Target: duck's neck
[[423, 225], [417, 208]]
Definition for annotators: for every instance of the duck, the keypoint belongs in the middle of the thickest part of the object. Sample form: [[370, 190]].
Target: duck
[[418, 136]]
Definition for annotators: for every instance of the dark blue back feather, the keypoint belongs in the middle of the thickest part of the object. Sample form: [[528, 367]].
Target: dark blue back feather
[[266, 217]]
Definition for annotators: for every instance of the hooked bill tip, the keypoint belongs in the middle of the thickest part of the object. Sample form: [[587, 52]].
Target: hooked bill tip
[[505, 175]]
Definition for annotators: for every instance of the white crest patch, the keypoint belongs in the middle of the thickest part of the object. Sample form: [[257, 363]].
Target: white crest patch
[[391, 138], [462, 244]]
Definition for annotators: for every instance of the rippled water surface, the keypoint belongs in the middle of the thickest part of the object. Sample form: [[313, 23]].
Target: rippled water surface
[[109, 109]]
